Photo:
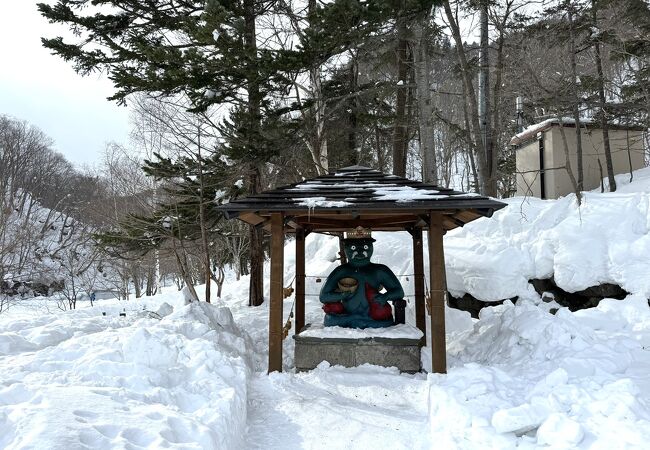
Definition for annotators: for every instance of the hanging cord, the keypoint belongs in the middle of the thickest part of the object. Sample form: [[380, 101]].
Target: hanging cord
[[288, 291], [427, 296], [319, 279]]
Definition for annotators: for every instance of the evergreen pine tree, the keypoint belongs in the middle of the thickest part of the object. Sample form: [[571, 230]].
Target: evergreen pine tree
[[203, 49]]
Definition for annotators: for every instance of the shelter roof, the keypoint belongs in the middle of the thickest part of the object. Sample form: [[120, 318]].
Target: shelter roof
[[360, 196]]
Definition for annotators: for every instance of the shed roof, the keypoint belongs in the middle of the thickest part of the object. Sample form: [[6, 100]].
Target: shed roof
[[531, 132], [360, 196]]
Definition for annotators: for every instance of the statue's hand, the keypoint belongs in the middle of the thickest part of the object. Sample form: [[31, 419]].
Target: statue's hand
[[380, 299], [345, 296]]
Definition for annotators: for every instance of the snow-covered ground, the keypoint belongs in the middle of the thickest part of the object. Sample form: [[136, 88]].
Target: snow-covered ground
[[519, 377]]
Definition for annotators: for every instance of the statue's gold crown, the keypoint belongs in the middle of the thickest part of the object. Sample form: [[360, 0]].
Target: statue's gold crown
[[359, 233]]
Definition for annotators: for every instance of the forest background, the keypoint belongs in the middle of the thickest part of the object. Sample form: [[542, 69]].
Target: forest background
[[230, 98]]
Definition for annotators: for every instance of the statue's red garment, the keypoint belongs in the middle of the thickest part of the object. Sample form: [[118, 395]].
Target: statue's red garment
[[333, 308], [377, 311]]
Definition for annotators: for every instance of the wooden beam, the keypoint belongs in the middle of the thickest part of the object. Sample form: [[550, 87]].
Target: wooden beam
[[277, 293], [438, 286], [449, 223], [418, 270], [342, 228], [251, 217], [300, 280], [372, 223]]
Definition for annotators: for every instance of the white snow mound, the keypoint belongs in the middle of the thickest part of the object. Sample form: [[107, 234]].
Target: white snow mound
[[605, 240], [526, 378], [110, 382]]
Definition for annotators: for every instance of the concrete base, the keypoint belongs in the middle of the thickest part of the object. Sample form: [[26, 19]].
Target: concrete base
[[402, 353]]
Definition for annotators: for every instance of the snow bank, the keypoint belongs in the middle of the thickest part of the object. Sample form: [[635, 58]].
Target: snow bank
[[524, 377], [112, 382], [605, 240]]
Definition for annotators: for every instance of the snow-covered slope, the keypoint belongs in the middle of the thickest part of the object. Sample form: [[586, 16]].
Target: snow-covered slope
[[44, 250]]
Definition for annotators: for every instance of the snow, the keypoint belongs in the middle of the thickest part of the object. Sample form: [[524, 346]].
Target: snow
[[532, 130], [606, 240], [227, 161], [321, 202], [315, 185], [407, 194], [530, 375], [403, 331], [526, 377], [104, 382], [381, 191], [641, 182]]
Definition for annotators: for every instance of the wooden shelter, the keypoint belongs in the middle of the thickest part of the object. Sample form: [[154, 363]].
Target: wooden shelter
[[359, 196]]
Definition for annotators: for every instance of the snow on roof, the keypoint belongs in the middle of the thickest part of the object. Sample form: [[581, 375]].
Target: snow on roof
[[532, 131], [322, 202], [380, 191], [358, 189], [407, 194], [379, 188]]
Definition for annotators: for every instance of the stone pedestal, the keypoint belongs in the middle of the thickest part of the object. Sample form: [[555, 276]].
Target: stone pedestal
[[397, 346]]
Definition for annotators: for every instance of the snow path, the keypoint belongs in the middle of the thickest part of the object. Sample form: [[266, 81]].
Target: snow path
[[338, 408]]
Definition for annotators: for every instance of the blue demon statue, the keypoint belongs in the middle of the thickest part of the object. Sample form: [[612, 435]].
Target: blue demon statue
[[356, 294]]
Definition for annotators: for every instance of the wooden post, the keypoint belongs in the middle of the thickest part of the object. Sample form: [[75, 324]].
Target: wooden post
[[418, 270], [300, 280], [277, 292], [438, 287]]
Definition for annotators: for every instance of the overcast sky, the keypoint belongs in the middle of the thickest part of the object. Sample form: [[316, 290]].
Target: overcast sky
[[44, 90]]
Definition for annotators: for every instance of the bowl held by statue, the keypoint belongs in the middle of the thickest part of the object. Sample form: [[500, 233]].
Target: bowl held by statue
[[348, 284]]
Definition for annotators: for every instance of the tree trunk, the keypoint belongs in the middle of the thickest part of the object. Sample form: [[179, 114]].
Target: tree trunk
[[256, 291], [567, 164], [470, 93], [318, 144], [352, 157], [484, 104], [202, 223], [602, 101], [137, 281], [150, 282], [181, 264], [399, 130], [256, 285], [576, 98], [219, 280], [425, 107], [472, 150]]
